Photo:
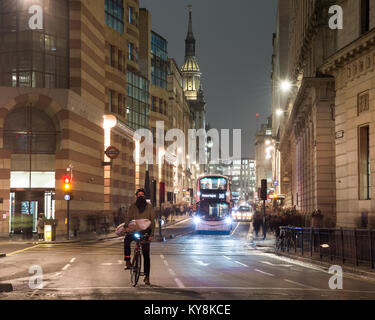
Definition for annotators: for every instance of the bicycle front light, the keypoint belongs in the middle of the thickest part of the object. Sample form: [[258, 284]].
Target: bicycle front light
[[137, 235]]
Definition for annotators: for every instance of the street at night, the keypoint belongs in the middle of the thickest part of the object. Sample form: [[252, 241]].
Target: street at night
[[188, 267], [186, 158]]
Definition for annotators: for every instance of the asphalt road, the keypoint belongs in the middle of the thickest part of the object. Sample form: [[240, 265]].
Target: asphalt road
[[188, 266]]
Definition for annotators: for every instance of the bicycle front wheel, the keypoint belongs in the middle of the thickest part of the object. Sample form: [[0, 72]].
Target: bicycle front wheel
[[135, 271]]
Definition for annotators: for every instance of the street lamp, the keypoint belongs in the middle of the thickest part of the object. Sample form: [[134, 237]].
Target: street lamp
[[286, 85]]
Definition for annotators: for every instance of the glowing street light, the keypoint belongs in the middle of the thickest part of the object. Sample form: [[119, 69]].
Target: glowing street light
[[268, 142], [286, 85]]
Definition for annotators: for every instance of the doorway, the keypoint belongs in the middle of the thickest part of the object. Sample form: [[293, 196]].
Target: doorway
[[25, 208]]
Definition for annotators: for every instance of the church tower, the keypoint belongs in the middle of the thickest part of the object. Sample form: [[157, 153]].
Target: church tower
[[192, 78]]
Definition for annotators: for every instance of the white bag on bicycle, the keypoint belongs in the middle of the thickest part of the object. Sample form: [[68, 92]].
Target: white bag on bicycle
[[120, 230], [139, 225]]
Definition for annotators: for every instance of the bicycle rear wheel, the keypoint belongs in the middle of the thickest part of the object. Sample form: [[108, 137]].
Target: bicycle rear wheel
[[135, 271]]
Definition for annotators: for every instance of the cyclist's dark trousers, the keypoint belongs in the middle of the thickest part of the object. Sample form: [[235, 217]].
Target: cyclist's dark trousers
[[145, 251]]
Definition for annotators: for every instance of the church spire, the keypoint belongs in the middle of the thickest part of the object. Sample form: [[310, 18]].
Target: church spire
[[190, 40]]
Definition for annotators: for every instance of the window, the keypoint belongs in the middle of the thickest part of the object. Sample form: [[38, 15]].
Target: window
[[159, 61], [120, 104], [364, 163], [114, 14], [111, 55], [120, 60], [110, 101], [153, 99], [28, 130], [365, 16], [137, 107], [34, 58], [130, 13], [130, 51]]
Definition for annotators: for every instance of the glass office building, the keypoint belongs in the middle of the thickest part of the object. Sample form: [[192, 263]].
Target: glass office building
[[34, 43]]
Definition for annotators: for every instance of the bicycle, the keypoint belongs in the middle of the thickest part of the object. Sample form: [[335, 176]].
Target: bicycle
[[285, 240], [135, 270]]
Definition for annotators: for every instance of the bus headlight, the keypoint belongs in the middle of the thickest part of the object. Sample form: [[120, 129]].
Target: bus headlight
[[228, 220], [197, 220]]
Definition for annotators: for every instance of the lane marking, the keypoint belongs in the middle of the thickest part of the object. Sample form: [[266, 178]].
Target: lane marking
[[179, 283], [300, 284], [202, 263], [242, 264], [227, 258], [235, 228], [166, 263], [22, 250], [66, 267], [266, 273], [276, 265], [74, 259], [171, 272], [175, 224]]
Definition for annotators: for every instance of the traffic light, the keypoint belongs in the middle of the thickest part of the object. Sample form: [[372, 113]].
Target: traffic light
[[263, 190], [67, 184]]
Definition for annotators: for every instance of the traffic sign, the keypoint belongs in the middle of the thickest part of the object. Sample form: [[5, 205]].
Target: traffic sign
[[67, 197], [112, 152], [276, 183]]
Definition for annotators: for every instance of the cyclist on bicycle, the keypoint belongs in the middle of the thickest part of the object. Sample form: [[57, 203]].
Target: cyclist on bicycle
[[141, 209]]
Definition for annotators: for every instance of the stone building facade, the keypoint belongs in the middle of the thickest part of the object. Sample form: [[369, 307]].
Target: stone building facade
[[305, 136], [353, 69], [57, 95]]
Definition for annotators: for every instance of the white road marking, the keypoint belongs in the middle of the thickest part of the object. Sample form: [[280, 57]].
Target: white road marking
[[179, 283], [202, 263], [73, 259], [300, 284], [106, 264], [276, 265], [166, 263], [235, 228], [171, 272], [161, 256], [66, 267], [266, 273], [227, 258], [241, 264]]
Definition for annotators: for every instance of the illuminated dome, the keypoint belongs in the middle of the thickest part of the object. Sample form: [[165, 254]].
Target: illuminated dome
[[190, 65]]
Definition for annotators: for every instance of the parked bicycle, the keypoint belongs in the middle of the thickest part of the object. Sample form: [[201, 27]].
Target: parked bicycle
[[285, 240]]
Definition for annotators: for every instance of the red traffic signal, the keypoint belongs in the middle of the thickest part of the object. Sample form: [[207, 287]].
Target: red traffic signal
[[67, 184]]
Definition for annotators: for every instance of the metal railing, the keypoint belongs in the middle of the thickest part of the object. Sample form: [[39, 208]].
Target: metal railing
[[347, 245]]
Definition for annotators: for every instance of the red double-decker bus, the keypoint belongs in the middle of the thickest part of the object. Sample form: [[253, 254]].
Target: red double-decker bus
[[213, 205]]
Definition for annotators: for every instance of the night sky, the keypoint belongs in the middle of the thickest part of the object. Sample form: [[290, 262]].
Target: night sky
[[234, 49]]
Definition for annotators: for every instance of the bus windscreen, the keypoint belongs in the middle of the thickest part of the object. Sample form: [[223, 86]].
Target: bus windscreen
[[213, 184], [214, 209]]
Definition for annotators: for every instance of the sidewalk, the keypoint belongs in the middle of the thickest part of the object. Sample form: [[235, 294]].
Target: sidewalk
[[268, 246]]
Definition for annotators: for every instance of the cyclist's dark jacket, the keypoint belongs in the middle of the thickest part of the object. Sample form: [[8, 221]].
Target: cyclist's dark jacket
[[134, 214]]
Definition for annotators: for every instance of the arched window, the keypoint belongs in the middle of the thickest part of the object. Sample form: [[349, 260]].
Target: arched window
[[29, 130]]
